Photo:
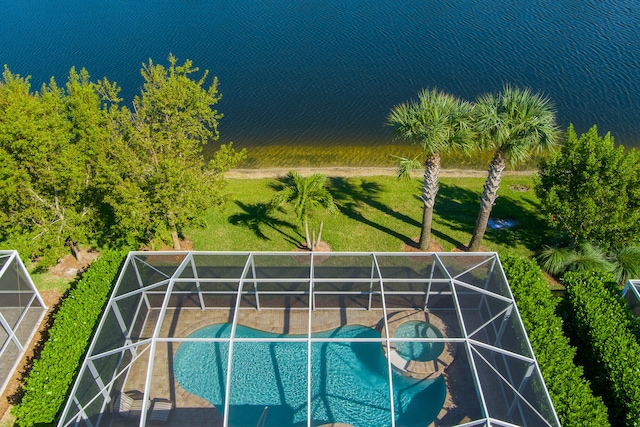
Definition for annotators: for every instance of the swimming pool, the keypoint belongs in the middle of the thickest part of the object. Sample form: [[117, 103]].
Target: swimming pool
[[349, 380], [418, 351]]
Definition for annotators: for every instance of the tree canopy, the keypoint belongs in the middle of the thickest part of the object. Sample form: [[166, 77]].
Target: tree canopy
[[590, 190], [78, 167], [47, 165], [165, 182]]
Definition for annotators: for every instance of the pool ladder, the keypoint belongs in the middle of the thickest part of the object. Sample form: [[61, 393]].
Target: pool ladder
[[263, 417]]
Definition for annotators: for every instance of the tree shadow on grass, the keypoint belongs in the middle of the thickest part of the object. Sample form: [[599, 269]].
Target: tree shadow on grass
[[531, 229], [457, 208], [451, 209], [280, 183], [350, 197], [256, 216]]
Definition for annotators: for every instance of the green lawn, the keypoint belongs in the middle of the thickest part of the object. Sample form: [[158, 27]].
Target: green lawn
[[375, 214]]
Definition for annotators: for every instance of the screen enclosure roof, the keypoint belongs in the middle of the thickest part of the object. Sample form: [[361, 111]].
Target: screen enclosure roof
[[631, 293], [21, 311], [163, 301]]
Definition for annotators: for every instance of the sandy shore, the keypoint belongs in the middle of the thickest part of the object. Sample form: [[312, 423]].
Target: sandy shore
[[356, 171]]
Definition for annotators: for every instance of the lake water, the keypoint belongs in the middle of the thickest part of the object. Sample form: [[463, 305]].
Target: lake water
[[329, 71]]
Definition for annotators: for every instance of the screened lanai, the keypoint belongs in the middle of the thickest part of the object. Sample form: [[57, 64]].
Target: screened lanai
[[21, 311], [310, 339], [631, 293]]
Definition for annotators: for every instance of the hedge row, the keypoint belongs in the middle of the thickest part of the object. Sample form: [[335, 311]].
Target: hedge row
[[602, 325], [570, 392], [46, 387]]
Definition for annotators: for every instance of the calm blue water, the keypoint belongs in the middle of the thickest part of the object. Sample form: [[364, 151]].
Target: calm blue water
[[328, 72], [418, 351], [349, 380]]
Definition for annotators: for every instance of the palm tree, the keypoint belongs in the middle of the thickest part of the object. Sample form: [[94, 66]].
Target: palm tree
[[515, 123], [437, 123], [578, 257], [626, 261], [306, 195], [622, 263]]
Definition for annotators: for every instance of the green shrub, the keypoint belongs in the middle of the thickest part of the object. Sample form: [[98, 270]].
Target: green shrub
[[47, 384], [602, 327], [570, 392]]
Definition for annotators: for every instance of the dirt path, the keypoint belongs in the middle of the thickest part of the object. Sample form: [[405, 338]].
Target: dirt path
[[355, 171]]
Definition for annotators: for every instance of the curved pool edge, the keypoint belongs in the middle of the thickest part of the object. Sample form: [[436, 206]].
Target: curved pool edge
[[406, 394]]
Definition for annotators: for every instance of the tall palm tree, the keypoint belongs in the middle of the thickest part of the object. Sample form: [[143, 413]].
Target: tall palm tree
[[437, 123], [515, 123], [306, 195]]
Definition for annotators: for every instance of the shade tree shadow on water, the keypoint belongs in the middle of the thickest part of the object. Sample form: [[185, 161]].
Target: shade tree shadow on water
[[257, 216], [457, 208]]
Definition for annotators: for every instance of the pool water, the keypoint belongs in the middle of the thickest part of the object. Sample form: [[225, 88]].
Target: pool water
[[418, 351], [349, 380]]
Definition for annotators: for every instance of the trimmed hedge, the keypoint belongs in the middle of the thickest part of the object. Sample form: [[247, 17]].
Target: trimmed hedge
[[47, 384], [570, 392], [603, 330]]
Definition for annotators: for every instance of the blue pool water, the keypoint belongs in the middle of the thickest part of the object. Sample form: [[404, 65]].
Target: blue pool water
[[418, 351], [349, 380]]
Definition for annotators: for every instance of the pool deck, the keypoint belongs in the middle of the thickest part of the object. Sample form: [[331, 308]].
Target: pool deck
[[193, 410]]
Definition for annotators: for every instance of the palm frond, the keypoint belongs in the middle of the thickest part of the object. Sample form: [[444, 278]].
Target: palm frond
[[627, 264], [305, 194], [517, 121], [555, 260], [581, 257], [405, 166], [591, 258], [437, 122]]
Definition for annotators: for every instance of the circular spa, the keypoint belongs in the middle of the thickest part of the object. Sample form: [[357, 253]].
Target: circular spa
[[418, 351]]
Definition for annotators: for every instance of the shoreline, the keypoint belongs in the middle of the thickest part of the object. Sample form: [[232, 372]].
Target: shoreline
[[353, 171]]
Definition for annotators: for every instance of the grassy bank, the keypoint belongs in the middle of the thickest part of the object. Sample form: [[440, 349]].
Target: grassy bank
[[375, 214], [355, 155]]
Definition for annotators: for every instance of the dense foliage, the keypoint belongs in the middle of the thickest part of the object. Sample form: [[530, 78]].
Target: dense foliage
[[46, 164], [601, 327], [79, 168], [46, 387], [570, 393], [590, 190], [165, 183]]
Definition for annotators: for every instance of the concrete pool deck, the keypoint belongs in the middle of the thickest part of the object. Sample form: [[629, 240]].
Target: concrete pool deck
[[193, 410]]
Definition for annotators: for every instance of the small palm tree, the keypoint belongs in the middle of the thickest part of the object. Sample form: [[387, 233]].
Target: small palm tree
[[623, 263], [306, 195], [437, 123], [582, 257], [626, 262], [515, 123]]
